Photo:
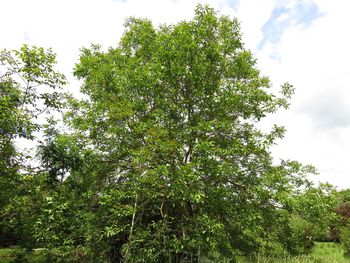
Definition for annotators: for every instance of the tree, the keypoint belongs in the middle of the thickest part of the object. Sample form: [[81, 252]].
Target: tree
[[28, 88], [317, 206], [171, 116], [309, 217]]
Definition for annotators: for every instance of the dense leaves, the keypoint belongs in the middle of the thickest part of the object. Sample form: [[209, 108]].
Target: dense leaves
[[28, 88], [172, 113]]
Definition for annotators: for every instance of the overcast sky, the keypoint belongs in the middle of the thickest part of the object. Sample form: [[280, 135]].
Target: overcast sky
[[303, 42]]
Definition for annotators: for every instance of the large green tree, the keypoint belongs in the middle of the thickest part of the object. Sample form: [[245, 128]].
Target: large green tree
[[171, 117]]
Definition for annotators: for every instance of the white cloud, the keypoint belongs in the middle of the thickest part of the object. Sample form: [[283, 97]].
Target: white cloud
[[253, 14], [315, 60]]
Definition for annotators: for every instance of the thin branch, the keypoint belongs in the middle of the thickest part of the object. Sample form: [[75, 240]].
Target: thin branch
[[131, 229]]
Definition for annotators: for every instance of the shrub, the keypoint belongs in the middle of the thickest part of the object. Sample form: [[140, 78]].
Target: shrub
[[300, 238]]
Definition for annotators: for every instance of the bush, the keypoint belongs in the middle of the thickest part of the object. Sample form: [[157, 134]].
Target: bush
[[300, 239]]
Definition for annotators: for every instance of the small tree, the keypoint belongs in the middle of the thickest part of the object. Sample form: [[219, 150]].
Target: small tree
[[28, 88]]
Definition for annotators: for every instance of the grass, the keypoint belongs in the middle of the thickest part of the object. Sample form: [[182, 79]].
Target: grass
[[326, 252], [15, 254], [323, 252]]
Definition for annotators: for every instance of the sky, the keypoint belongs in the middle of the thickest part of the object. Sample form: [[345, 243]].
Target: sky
[[303, 42]]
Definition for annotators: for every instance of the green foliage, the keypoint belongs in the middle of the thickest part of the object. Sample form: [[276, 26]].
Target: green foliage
[[50, 223], [28, 88], [345, 239], [180, 168], [317, 205], [343, 211], [301, 238]]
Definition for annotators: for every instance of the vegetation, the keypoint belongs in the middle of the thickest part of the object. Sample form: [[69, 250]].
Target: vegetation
[[323, 252], [162, 160]]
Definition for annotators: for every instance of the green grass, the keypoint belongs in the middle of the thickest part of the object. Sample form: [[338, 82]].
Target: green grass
[[6, 255], [15, 254], [327, 252], [323, 252]]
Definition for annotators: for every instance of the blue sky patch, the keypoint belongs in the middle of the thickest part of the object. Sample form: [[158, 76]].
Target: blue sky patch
[[233, 3], [282, 18]]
